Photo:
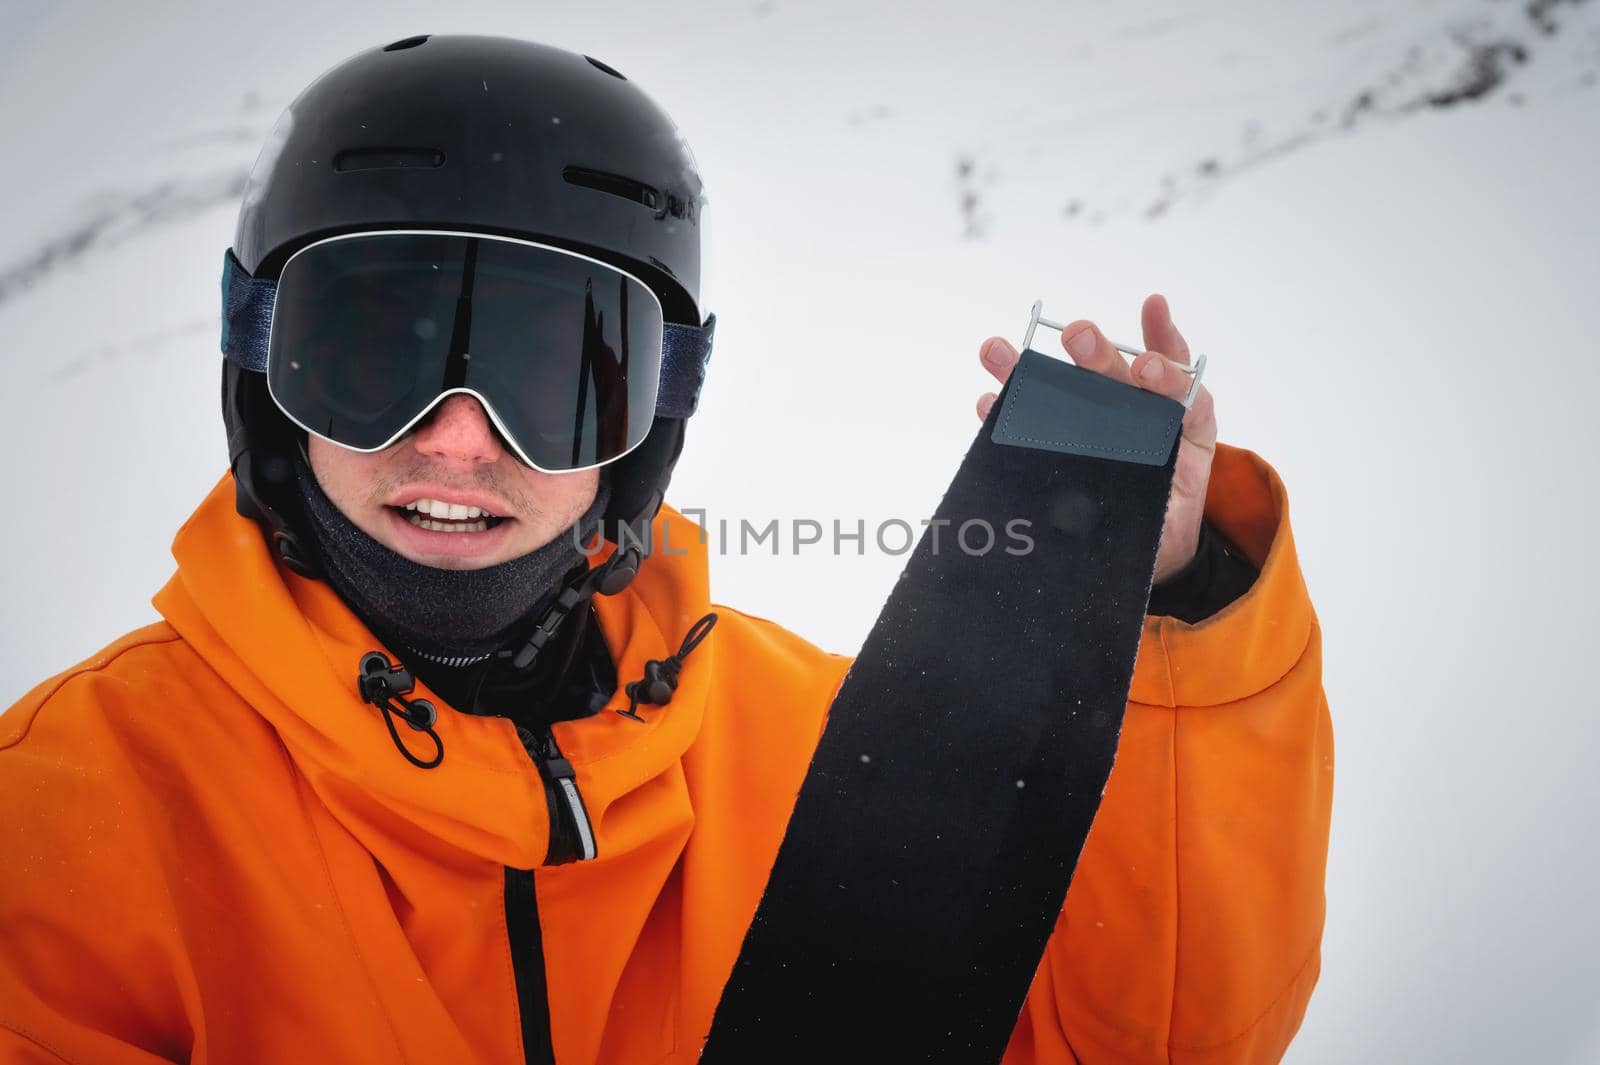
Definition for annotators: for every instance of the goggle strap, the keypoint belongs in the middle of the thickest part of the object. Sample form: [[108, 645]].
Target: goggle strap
[[247, 321], [246, 315], [685, 350]]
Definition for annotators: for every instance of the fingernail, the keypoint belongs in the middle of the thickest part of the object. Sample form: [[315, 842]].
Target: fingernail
[[1150, 372], [1082, 343], [991, 354]]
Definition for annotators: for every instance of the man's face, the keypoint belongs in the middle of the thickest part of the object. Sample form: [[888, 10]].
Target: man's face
[[417, 497]]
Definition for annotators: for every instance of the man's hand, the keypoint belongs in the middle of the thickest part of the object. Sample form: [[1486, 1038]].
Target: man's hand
[[1180, 534]]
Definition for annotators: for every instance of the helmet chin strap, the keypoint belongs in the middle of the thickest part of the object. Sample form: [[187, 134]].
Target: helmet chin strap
[[260, 457], [608, 578]]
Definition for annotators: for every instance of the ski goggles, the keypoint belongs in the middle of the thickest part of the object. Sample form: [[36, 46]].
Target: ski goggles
[[363, 334]]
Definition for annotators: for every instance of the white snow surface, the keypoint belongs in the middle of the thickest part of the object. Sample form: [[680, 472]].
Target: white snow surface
[[1396, 296]]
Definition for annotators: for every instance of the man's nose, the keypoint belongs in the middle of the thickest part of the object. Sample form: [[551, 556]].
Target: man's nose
[[458, 429]]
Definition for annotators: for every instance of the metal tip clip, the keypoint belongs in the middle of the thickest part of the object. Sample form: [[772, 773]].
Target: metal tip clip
[[1195, 371]]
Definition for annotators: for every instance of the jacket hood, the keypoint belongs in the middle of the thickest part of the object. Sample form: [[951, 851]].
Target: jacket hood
[[290, 647]]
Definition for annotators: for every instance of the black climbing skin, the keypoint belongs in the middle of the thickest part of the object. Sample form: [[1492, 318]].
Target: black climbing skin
[[934, 838]]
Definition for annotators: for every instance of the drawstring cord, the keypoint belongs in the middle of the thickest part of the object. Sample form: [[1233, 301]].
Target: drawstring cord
[[660, 678], [385, 685]]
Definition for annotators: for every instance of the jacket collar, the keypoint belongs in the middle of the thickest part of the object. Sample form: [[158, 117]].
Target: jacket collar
[[289, 647]]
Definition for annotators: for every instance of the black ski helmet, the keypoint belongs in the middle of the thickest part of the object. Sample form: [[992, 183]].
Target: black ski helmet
[[476, 133]]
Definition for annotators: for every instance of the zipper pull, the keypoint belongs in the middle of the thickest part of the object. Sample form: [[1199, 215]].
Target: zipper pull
[[571, 833], [551, 763]]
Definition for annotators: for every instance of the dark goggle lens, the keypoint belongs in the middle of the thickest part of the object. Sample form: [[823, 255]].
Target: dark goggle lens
[[370, 331]]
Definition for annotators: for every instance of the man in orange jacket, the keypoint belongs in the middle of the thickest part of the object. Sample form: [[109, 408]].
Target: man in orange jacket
[[388, 781]]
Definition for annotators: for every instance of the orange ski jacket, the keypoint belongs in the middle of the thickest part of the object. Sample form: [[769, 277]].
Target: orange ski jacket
[[210, 850]]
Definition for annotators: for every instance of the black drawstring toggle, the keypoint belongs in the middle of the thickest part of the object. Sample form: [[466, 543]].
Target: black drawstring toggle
[[660, 678], [385, 685]]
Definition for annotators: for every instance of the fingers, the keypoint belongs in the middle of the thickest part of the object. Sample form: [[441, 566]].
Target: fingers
[[998, 357], [1091, 350], [1157, 369], [1154, 372], [1160, 334]]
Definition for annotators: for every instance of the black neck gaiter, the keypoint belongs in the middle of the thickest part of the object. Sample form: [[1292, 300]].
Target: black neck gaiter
[[450, 616]]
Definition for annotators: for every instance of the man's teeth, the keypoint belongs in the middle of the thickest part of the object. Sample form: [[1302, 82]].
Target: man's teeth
[[453, 511], [446, 526], [437, 516]]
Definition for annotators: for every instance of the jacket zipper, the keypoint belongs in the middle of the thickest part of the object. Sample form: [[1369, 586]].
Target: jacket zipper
[[527, 967], [571, 839], [571, 834]]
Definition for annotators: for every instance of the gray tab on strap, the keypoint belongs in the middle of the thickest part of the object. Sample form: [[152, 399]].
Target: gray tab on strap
[[1052, 405]]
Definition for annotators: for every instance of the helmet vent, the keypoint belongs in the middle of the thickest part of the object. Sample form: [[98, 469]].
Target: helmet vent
[[615, 184], [613, 71], [387, 159], [406, 42]]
